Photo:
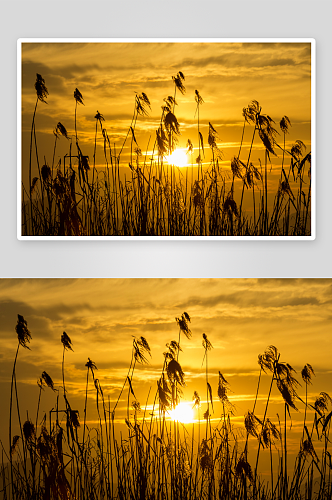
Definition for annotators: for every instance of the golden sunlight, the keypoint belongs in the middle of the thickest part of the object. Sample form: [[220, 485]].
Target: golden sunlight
[[178, 158], [183, 413]]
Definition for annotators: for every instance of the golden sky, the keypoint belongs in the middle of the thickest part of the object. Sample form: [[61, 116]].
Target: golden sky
[[241, 317], [227, 75]]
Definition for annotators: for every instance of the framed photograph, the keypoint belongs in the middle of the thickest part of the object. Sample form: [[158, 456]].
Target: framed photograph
[[166, 138], [165, 388]]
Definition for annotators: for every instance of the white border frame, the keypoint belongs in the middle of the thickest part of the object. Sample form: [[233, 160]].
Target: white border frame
[[312, 41]]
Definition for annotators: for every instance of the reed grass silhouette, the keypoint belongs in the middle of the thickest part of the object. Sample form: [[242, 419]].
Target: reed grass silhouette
[[76, 198], [58, 458]]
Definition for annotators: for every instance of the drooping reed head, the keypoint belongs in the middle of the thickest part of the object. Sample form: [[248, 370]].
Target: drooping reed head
[[190, 146], [33, 184], [78, 96], [171, 123], [223, 388], [238, 167], [230, 206], [23, 333], [98, 387], [268, 359], [141, 348], [287, 392], [99, 117], [244, 468], [251, 423], [212, 140], [206, 343], [45, 446], [307, 373], [270, 434], [196, 400], [322, 402], [136, 406], [14, 444], [170, 102], [46, 172], [41, 88], [91, 366], [298, 149], [206, 458], [285, 124], [175, 372], [183, 323], [198, 98], [178, 81], [73, 419], [29, 430], [307, 449], [66, 342], [173, 349], [162, 142], [48, 380], [164, 393], [142, 104], [61, 130], [251, 112]]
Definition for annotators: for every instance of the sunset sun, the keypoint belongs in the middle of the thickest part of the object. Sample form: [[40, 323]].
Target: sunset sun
[[178, 158], [183, 413]]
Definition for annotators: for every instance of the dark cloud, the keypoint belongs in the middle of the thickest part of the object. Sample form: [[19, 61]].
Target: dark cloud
[[245, 61], [244, 299]]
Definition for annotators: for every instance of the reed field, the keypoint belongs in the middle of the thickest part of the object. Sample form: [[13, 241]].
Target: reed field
[[61, 455], [140, 190]]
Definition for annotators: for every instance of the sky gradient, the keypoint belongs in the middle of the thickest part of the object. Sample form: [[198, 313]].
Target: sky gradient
[[241, 318], [227, 75]]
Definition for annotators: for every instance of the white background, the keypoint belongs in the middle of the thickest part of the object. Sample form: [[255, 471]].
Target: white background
[[177, 19]]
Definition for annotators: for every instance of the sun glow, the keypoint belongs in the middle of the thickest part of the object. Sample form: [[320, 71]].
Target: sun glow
[[178, 158], [183, 413]]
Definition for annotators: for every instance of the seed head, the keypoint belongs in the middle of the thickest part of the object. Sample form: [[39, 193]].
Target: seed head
[[251, 423], [141, 347], [175, 372], [14, 444], [285, 124], [61, 130], [307, 448], [171, 123], [198, 98], [251, 112], [142, 102], [197, 400], [206, 343], [307, 373], [29, 430], [78, 96], [91, 366], [23, 333], [298, 149], [45, 172], [33, 184], [164, 393], [66, 342], [136, 406], [270, 433], [321, 403], [48, 381], [99, 117], [41, 89], [183, 324], [268, 358], [73, 419], [178, 80], [243, 467]]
